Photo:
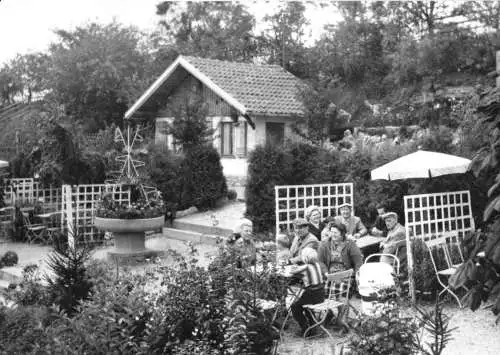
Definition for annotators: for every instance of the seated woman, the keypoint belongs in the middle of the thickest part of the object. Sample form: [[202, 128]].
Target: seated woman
[[313, 217], [242, 242], [336, 252], [313, 285], [354, 227]]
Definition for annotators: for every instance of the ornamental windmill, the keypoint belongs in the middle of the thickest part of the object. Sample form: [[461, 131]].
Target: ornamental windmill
[[129, 169]]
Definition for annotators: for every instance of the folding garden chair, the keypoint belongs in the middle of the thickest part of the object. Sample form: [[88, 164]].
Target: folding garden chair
[[35, 232], [293, 293], [446, 256], [338, 285]]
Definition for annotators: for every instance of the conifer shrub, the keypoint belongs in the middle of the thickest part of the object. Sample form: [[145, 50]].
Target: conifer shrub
[[203, 179], [268, 166]]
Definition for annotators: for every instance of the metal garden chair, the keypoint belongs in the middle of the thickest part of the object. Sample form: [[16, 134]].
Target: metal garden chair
[[338, 285], [446, 256], [35, 232]]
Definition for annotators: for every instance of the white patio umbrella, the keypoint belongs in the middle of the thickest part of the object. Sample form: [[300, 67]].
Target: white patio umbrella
[[3, 164], [421, 164]]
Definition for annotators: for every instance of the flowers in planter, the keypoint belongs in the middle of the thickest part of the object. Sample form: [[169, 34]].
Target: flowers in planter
[[139, 208]]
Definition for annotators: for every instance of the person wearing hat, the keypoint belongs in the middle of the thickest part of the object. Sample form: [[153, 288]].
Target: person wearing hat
[[313, 217], [355, 228], [396, 236], [303, 239]]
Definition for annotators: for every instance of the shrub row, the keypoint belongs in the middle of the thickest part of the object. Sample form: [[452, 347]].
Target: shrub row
[[177, 309], [301, 163]]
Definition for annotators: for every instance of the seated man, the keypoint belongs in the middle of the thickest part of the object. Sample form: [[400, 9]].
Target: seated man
[[314, 288], [355, 228], [396, 236], [303, 239]]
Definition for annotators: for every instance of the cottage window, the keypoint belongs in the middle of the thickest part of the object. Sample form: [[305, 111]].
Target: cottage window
[[227, 139], [161, 134]]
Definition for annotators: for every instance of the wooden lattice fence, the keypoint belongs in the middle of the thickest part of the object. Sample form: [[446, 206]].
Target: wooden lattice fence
[[292, 201], [79, 204]]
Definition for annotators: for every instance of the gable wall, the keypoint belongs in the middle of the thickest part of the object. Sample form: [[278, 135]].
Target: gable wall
[[216, 105]]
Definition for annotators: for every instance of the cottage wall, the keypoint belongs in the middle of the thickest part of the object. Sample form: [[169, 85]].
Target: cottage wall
[[219, 112]]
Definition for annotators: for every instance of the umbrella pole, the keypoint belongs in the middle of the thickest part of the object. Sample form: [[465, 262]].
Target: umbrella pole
[[409, 256]]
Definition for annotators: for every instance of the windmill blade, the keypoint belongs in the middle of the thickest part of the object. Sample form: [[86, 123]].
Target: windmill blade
[[138, 162], [137, 136], [119, 136]]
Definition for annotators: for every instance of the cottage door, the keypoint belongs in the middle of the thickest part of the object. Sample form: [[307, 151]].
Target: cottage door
[[275, 133]]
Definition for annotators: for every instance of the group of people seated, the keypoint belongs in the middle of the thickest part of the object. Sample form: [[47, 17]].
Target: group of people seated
[[337, 236], [321, 246]]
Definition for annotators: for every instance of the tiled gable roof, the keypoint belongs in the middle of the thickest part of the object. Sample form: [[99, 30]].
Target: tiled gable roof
[[262, 89]]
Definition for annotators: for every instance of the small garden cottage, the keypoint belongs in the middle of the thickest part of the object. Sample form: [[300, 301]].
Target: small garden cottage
[[248, 105]]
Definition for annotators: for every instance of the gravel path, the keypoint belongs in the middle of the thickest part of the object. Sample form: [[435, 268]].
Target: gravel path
[[476, 334]]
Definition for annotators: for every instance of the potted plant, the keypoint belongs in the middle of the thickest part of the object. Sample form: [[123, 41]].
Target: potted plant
[[129, 222]]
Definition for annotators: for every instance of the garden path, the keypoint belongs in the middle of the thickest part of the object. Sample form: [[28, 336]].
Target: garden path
[[476, 334], [227, 217]]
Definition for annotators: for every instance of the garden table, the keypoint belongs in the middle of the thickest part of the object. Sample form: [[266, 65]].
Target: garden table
[[368, 241], [48, 221]]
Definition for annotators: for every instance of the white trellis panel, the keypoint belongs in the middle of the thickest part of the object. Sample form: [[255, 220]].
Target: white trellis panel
[[20, 190], [292, 201], [79, 205], [51, 196], [429, 216]]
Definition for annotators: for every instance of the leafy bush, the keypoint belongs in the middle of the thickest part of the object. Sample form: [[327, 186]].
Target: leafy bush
[[10, 258], [423, 270], [22, 330], [30, 292], [392, 333], [389, 333]]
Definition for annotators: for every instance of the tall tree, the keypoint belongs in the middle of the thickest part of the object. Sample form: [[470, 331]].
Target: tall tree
[[96, 72], [10, 85], [30, 71], [427, 16], [215, 29], [285, 38]]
